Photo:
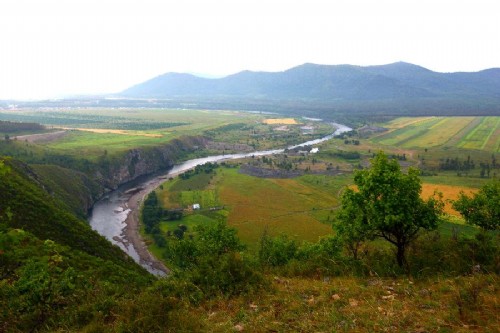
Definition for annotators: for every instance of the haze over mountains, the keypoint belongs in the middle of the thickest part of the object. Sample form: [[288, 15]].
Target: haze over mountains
[[396, 88]]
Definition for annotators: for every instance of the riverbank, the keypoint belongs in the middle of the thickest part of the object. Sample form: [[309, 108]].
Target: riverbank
[[131, 231], [117, 215]]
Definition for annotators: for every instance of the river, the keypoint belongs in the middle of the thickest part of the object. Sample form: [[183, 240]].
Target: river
[[115, 216]]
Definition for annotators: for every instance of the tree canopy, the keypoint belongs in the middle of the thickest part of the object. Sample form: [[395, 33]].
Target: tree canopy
[[482, 208], [387, 204]]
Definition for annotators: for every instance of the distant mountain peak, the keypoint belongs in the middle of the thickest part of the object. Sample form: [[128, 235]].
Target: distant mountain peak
[[391, 86]]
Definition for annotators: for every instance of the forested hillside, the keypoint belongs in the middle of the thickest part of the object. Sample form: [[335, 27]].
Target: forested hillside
[[393, 89]]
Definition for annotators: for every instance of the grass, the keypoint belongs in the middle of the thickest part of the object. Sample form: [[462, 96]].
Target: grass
[[455, 226], [277, 205], [345, 304], [300, 208], [93, 144], [122, 129]]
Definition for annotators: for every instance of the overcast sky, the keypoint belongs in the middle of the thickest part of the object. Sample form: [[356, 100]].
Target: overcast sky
[[51, 48]]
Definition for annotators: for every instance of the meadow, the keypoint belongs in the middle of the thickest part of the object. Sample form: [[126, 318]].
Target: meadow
[[303, 207], [91, 131], [300, 208]]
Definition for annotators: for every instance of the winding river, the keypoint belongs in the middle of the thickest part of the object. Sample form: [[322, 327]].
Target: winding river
[[115, 216]]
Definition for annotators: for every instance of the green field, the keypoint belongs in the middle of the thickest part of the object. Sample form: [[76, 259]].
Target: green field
[[301, 208], [485, 136], [480, 133], [91, 131]]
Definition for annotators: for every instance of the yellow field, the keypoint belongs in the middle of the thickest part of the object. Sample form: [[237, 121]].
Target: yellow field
[[280, 121], [449, 193]]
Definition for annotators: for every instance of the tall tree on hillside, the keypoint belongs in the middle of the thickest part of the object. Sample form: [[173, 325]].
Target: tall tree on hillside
[[482, 208], [387, 204]]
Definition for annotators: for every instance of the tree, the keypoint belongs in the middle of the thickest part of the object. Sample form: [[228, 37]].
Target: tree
[[387, 204], [483, 208]]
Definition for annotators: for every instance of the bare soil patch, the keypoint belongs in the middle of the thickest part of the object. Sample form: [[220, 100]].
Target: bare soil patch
[[42, 137]]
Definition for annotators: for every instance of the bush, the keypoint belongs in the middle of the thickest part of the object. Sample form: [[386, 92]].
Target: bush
[[211, 260], [276, 251]]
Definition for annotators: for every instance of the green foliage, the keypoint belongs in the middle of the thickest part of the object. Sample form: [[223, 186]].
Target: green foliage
[[389, 206], [276, 251], [151, 213], [434, 254], [350, 225], [483, 208], [73, 188], [44, 285], [32, 209], [212, 261], [16, 127]]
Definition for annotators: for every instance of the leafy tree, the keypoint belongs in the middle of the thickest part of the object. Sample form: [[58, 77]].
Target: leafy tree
[[483, 208], [151, 213], [350, 225], [387, 204]]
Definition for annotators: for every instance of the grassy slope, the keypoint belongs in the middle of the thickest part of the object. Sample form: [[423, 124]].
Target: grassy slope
[[344, 304]]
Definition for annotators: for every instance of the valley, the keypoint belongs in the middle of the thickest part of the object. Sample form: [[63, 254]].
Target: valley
[[266, 207]]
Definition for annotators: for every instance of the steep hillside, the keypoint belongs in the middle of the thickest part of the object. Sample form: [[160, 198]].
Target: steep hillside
[[27, 205]]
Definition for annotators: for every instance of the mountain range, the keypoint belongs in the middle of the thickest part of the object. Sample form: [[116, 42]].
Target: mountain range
[[396, 87]]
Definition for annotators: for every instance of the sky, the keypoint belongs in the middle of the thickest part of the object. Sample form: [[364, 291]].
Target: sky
[[55, 48]]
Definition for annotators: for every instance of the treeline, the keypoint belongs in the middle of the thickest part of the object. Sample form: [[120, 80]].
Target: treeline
[[455, 164], [203, 168], [16, 127], [152, 214]]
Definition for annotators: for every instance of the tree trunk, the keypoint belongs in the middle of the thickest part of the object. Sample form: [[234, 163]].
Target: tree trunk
[[400, 256]]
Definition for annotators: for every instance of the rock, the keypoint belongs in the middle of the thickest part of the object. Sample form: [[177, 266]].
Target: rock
[[388, 298], [238, 328], [335, 297]]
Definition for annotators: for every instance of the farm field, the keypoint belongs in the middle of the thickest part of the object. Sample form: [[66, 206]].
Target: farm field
[[301, 207], [279, 206], [89, 131], [280, 121], [480, 133], [485, 136], [449, 193]]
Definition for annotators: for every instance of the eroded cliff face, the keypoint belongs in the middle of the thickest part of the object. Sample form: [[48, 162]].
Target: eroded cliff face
[[143, 161]]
